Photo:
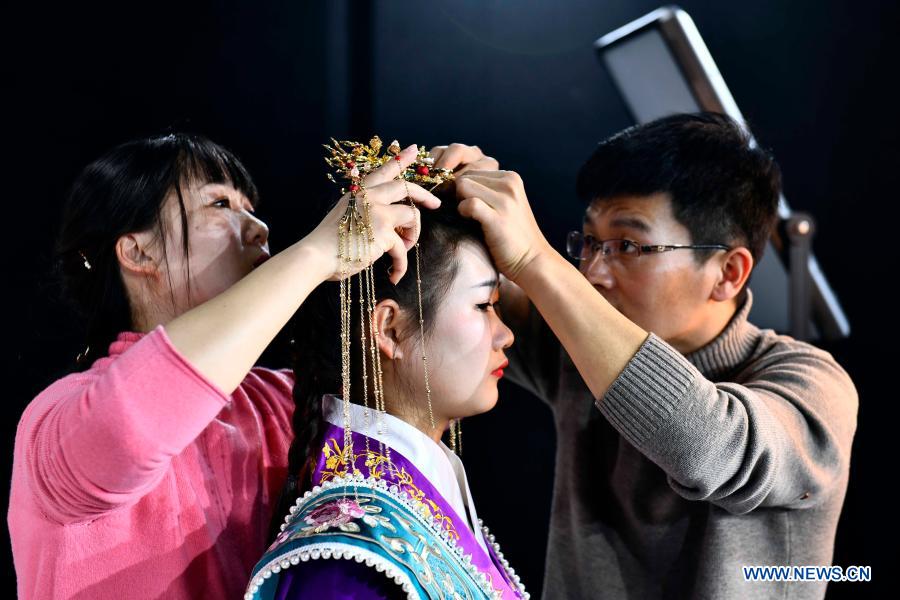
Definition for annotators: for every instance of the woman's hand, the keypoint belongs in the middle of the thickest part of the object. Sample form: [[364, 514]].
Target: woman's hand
[[395, 224]]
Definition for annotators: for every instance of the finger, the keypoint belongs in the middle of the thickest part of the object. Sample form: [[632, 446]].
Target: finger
[[469, 187], [399, 190], [399, 262], [436, 152], [410, 235], [477, 209], [485, 174], [497, 188], [458, 154], [391, 168], [406, 222], [488, 163]]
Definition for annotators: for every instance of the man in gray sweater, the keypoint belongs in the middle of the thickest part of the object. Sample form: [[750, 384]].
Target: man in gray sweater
[[690, 442]]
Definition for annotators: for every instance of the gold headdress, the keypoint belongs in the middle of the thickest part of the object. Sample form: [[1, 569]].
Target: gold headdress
[[351, 161]]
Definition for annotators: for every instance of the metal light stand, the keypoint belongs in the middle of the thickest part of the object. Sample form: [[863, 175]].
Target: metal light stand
[[799, 229]]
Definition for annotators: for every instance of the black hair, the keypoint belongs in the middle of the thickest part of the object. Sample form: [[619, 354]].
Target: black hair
[[123, 192], [317, 358], [723, 189]]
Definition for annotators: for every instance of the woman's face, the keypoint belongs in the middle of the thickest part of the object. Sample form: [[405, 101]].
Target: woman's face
[[226, 242], [465, 345]]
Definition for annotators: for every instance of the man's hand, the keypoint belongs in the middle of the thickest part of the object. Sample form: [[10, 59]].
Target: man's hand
[[461, 158], [497, 200]]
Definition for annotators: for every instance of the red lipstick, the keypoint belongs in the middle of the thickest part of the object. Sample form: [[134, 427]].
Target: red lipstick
[[498, 372]]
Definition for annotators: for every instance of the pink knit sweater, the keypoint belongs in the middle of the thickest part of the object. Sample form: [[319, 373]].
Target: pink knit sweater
[[139, 478]]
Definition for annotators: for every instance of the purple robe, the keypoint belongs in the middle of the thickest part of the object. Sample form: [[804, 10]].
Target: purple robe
[[342, 579]]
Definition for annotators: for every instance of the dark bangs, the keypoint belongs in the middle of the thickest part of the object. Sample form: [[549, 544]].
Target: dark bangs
[[200, 159]]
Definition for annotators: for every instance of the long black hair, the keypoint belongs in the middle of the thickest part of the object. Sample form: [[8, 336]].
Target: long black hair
[[317, 358], [124, 192]]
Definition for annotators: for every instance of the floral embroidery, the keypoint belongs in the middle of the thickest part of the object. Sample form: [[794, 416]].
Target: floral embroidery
[[334, 513], [340, 513]]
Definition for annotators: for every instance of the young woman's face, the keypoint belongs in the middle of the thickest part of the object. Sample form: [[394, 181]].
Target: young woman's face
[[465, 345], [226, 242]]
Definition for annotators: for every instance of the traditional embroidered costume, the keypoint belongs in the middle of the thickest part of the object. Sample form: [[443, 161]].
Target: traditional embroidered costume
[[412, 525]]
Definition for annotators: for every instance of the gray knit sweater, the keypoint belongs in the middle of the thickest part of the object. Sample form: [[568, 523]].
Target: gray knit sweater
[[691, 467]]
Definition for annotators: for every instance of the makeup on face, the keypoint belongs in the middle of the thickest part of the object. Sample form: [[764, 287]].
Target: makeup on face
[[468, 338]]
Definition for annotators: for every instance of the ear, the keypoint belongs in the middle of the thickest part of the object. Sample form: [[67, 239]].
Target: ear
[[734, 269], [138, 253], [389, 322]]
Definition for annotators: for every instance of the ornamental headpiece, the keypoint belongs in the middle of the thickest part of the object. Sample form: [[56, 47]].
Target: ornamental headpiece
[[351, 161]]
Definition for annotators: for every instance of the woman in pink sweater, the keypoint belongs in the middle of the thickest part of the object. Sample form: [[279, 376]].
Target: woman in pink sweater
[[151, 472]]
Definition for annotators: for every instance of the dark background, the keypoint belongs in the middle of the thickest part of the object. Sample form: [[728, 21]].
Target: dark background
[[275, 80]]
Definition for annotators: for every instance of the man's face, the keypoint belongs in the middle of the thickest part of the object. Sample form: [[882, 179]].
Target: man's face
[[667, 293]]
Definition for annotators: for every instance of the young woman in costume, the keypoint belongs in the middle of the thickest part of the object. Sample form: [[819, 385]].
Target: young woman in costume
[[390, 514]]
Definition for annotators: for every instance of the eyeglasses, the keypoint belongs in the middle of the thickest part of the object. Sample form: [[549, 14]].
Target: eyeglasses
[[583, 247]]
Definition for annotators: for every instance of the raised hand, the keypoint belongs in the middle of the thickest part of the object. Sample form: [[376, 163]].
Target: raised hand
[[395, 224]]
